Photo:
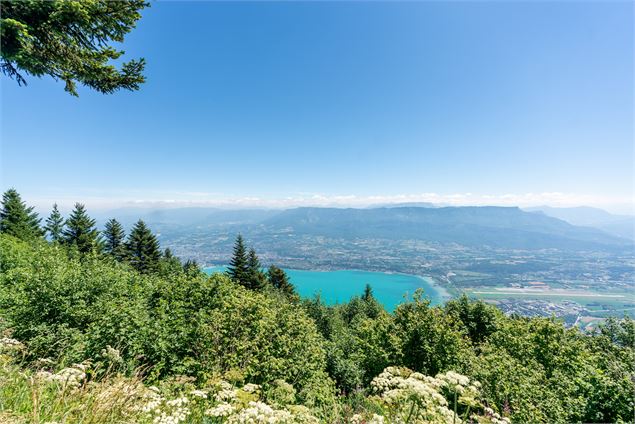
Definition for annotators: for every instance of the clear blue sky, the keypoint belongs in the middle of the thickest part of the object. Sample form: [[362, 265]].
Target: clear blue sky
[[291, 100]]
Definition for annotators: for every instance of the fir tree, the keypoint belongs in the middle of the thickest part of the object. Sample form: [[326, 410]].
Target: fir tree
[[114, 239], [191, 267], [142, 249], [256, 279], [71, 41], [238, 268], [80, 230], [368, 293], [17, 219], [169, 264], [55, 225], [279, 279]]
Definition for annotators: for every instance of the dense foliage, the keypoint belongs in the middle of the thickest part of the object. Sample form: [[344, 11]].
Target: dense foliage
[[70, 41], [274, 356]]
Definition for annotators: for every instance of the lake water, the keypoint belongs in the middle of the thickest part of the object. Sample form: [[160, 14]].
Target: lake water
[[339, 286]]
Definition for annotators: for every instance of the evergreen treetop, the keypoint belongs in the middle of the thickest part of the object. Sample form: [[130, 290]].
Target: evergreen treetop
[[80, 230], [17, 219], [142, 248], [191, 267], [114, 239], [368, 293], [55, 225], [256, 279], [279, 280], [238, 268]]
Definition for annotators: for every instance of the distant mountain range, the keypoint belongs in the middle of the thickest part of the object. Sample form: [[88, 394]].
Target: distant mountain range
[[617, 225], [498, 227], [501, 227], [192, 216]]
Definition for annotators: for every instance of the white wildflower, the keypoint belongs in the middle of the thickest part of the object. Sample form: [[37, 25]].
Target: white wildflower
[[9, 344], [376, 419], [178, 402], [220, 410], [251, 388], [356, 419], [199, 394], [226, 393]]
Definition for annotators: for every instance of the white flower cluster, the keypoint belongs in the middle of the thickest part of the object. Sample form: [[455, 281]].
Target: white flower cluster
[[111, 354], [68, 377], [242, 406], [153, 400], [356, 419], [418, 398], [164, 411], [376, 419], [175, 417], [259, 412], [199, 394], [251, 388], [397, 385], [220, 410], [359, 419], [467, 391], [178, 402], [226, 392], [493, 417], [9, 345], [223, 403]]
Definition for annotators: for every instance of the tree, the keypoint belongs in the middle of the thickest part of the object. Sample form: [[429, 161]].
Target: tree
[[17, 219], [478, 318], [169, 265], [69, 40], [114, 239], [55, 225], [280, 280], [80, 230], [142, 248], [368, 293], [238, 268], [191, 267], [256, 279]]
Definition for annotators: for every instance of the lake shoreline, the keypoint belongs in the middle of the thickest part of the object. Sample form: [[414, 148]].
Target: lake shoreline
[[391, 288]]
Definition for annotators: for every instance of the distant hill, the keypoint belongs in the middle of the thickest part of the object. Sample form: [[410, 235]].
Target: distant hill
[[502, 227], [190, 216], [403, 205], [618, 225]]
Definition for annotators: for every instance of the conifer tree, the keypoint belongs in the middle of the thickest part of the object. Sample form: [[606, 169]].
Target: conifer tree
[[368, 293], [17, 219], [279, 279], [142, 248], [170, 264], [80, 230], [238, 268], [256, 279], [71, 41], [114, 239], [55, 225], [191, 267]]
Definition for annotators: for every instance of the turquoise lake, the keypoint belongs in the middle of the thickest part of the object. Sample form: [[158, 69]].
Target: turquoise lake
[[339, 286]]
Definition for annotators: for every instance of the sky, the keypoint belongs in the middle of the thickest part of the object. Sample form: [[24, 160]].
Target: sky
[[343, 103]]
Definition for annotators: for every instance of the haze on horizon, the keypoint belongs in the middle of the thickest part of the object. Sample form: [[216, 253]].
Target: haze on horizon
[[343, 104]]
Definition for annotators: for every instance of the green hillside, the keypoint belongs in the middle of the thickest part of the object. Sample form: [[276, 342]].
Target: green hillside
[[95, 331]]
